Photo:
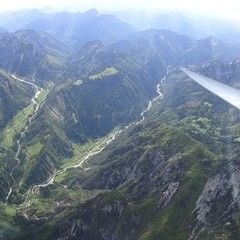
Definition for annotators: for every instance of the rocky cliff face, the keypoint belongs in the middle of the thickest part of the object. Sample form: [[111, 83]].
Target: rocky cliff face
[[217, 203]]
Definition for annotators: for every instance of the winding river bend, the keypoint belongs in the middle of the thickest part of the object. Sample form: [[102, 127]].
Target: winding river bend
[[97, 149], [151, 102], [29, 121]]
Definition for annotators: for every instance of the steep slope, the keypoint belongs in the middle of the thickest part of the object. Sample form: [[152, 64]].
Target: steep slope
[[31, 54], [209, 48], [14, 96]]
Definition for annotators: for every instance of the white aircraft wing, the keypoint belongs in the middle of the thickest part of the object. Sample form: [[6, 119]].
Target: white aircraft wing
[[227, 93]]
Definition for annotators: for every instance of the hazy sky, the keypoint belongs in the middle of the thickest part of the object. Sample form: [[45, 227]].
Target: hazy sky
[[226, 8]]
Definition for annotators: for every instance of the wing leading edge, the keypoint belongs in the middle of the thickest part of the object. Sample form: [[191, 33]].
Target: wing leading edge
[[227, 93]]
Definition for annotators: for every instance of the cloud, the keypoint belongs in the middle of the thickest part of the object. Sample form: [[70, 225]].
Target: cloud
[[229, 8]]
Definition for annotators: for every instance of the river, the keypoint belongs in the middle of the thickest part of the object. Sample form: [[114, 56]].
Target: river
[[29, 121]]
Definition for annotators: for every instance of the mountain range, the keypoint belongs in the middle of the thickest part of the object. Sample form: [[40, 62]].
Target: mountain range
[[103, 137]]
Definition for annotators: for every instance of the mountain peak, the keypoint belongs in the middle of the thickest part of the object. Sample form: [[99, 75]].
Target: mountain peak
[[92, 13], [213, 41]]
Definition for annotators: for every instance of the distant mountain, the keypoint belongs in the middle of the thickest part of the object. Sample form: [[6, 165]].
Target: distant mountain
[[209, 48], [227, 73], [16, 20], [231, 38], [185, 23], [77, 29], [177, 49], [167, 45], [73, 28]]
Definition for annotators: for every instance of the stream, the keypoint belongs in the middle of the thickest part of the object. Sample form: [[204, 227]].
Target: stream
[[29, 121]]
